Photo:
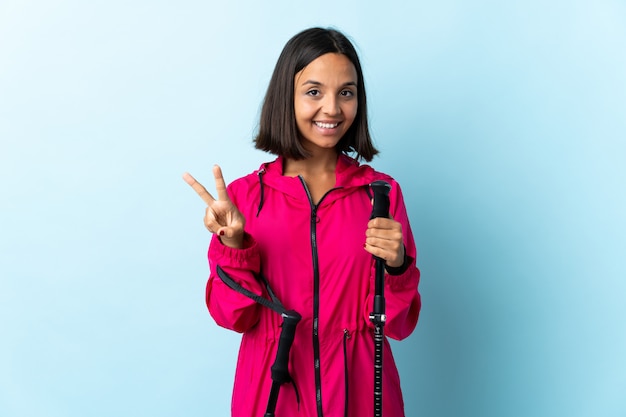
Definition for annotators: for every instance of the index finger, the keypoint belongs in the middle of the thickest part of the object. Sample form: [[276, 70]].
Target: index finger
[[199, 188]]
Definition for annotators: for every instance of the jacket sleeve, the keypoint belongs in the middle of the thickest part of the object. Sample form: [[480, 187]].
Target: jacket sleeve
[[402, 298], [228, 307]]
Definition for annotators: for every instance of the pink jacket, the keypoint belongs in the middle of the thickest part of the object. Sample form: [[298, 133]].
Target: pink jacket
[[314, 260]]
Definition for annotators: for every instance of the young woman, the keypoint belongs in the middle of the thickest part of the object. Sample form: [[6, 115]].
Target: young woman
[[303, 222]]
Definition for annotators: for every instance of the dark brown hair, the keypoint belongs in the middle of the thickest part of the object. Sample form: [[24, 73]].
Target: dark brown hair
[[278, 133]]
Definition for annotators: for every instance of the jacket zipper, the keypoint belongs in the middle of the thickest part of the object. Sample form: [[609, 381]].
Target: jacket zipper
[[346, 336], [316, 297]]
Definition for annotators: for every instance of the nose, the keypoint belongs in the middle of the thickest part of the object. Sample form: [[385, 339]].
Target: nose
[[331, 106]]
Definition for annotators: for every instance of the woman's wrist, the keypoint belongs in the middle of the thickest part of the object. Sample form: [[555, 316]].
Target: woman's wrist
[[398, 270]]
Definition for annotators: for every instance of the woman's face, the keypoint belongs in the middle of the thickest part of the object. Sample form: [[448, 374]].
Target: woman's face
[[325, 101]]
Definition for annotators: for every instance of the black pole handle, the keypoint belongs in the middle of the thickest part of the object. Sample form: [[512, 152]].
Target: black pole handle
[[280, 371], [380, 189], [280, 368]]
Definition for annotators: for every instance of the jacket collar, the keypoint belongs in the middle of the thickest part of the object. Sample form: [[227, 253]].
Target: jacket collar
[[349, 175], [349, 172]]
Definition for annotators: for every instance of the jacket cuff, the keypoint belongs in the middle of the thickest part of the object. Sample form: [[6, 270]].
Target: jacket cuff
[[399, 270], [246, 257]]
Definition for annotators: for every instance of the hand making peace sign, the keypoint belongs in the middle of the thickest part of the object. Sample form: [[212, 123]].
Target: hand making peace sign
[[222, 216]]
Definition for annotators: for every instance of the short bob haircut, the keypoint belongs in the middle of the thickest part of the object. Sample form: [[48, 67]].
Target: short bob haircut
[[278, 132]]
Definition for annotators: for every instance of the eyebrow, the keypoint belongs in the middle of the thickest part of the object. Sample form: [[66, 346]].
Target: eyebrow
[[313, 82]]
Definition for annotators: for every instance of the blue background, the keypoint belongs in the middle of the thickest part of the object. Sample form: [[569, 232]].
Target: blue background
[[505, 123]]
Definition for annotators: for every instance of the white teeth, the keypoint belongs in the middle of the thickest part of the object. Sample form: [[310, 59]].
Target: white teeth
[[327, 125]]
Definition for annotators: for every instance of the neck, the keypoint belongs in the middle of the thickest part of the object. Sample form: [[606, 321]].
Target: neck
[[320, 163]]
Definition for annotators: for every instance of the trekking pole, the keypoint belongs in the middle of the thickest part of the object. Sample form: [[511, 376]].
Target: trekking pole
[[380, 190], [280, 368]]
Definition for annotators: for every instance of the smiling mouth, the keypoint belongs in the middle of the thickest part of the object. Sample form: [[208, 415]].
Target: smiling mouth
[[326, 125]]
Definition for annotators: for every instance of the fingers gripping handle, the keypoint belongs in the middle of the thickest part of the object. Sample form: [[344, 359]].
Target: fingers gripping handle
[[380, 189]]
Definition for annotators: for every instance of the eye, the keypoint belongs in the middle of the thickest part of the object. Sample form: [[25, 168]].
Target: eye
[[313, 93], [347, 93]]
